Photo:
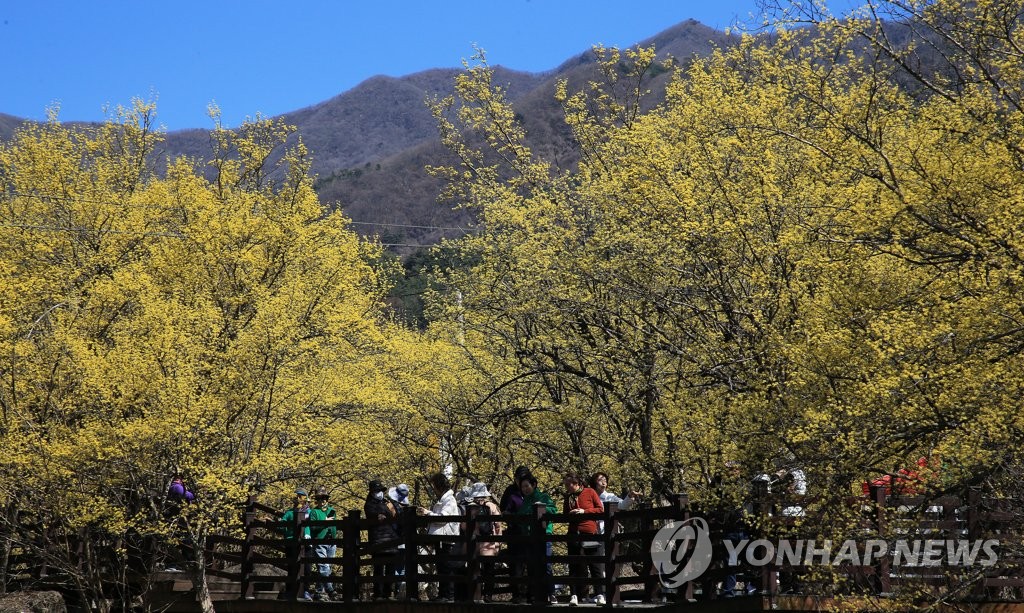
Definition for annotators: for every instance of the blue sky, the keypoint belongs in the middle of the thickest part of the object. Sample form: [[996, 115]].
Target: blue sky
[[275, 57]]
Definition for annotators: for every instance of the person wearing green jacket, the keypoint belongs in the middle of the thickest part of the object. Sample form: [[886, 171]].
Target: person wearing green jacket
[[294, 542], [532, 496], [301, 509], [323, 511]]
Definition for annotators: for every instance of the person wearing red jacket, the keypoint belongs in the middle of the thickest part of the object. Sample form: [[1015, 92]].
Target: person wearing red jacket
[[580, 499]]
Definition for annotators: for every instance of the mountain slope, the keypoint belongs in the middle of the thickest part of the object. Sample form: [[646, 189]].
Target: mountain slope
[[370, 144], [397, 190]]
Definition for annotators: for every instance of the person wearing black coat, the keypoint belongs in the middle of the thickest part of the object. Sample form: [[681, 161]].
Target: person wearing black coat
[[385, 534]]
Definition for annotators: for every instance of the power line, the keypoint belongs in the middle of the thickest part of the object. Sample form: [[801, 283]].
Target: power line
[[402, 225]]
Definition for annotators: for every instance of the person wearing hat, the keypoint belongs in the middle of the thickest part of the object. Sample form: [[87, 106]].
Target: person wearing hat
[[400, 496], [300, 508], [299, 512], [486, 528], [181, 549], [323, 511], [383, 510]]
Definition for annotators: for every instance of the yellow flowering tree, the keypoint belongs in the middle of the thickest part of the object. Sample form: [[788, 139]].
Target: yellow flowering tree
[[223, 328], [806, 256]]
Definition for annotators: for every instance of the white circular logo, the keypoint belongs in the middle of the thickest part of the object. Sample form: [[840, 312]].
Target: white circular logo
[[681, 551]]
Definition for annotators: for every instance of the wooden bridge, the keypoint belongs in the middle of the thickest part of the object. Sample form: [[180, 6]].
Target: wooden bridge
[[263, 571], [268, 571]]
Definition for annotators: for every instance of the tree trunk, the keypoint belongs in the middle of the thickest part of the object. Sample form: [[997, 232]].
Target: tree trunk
[[199, 582], [7, 536]]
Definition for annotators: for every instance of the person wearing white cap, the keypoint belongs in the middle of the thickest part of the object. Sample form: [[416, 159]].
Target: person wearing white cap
[[486, 548], [399, 494]]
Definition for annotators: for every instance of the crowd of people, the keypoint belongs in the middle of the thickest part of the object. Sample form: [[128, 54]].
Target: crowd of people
[[386, 505]]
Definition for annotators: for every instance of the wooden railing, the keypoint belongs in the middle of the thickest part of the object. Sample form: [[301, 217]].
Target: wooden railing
[[893, 520], [627, 539], [262, 560]]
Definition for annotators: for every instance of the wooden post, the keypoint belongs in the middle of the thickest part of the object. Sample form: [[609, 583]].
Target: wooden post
[[295, 574], [350, 556], [248, 587], [537, 560], [612, 591], [682, 505], [877, 493], [974, 532], [412, 568], [769, 572], [973, 516], [475, 587], [652, 587]]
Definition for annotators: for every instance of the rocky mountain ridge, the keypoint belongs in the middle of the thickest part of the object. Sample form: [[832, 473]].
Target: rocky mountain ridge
[[370, 144]]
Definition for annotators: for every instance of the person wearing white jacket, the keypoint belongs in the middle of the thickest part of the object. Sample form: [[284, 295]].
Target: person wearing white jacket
[[445, 505], [599, 481]]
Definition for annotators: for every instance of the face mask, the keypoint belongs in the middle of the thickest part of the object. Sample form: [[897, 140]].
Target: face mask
[[379, 496]]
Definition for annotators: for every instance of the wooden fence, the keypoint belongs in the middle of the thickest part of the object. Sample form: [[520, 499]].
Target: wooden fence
[[626, 540], [524, 562]]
